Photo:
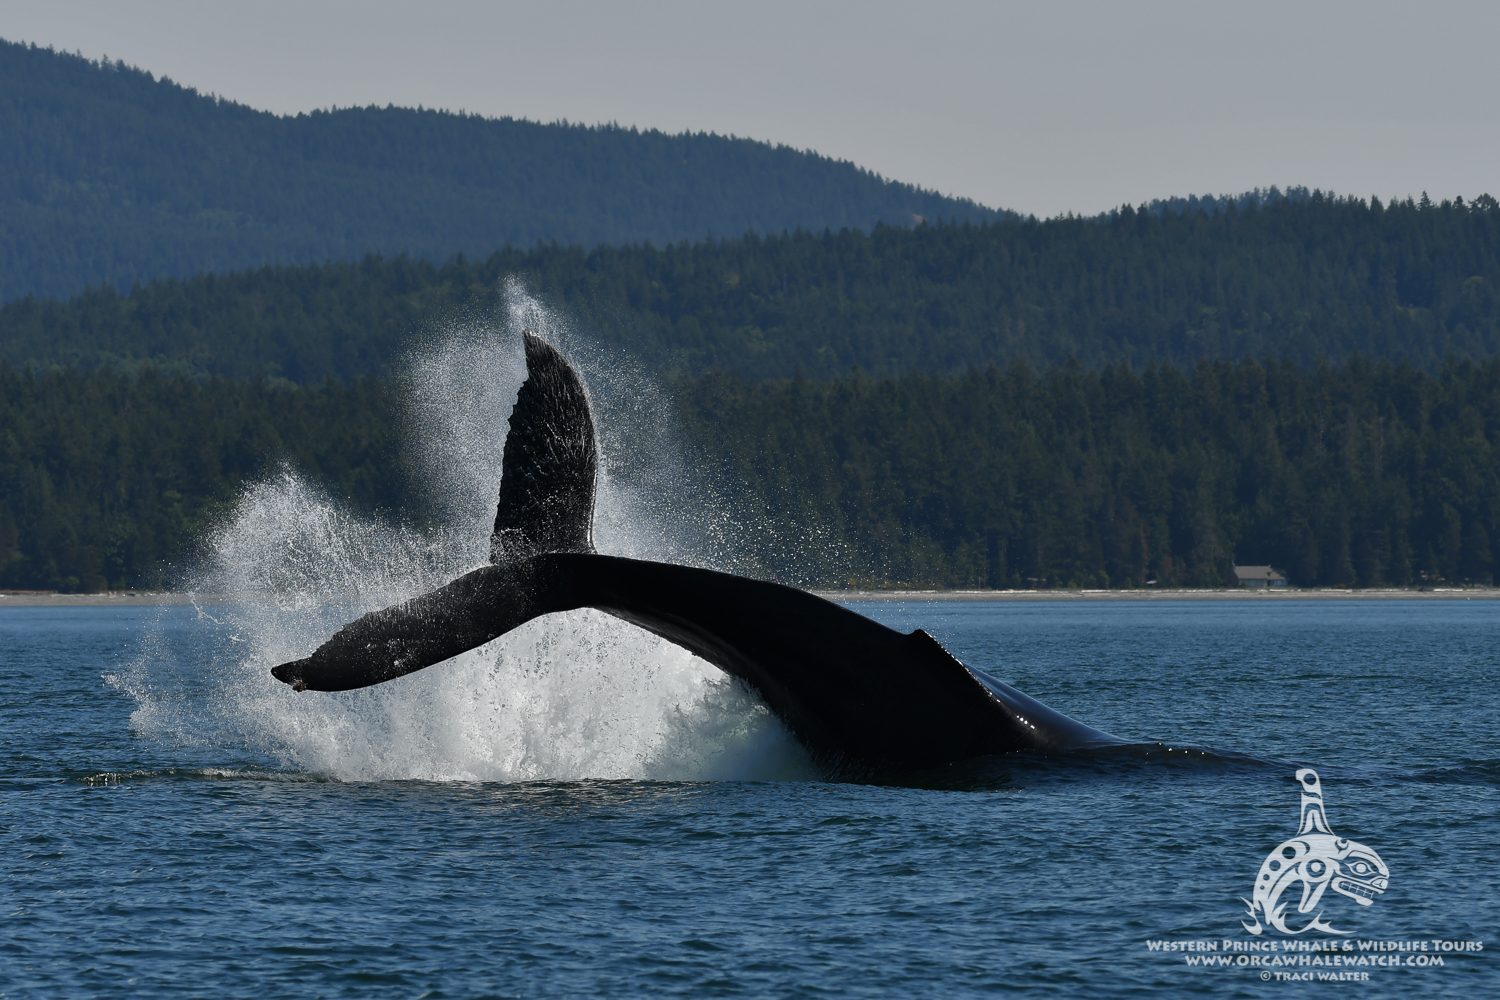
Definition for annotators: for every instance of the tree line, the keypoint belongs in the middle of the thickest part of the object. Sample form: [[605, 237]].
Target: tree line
[[1307, 278], [1363, 473], [108, 478]]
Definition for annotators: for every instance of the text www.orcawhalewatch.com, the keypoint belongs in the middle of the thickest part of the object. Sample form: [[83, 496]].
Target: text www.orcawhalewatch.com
[[1316, 961]]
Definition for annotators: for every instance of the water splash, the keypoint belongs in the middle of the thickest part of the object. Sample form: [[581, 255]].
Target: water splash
[[571, 696]]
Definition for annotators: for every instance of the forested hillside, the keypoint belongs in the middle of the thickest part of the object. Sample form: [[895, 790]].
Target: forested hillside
[[1142, 398], [1307, 279], [110, 176], [1361, 474]]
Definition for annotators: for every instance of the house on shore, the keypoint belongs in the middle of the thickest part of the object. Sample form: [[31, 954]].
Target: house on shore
[[1258, 577]]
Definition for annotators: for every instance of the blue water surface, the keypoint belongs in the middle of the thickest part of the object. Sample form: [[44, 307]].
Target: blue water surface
[[132, 864]]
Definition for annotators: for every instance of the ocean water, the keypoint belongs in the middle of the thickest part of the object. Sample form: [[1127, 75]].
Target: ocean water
[[578, 810], [581, 809]]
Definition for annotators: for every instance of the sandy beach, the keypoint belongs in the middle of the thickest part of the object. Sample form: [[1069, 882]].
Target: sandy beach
[[126, 598], [118, 598], [1153, 594]]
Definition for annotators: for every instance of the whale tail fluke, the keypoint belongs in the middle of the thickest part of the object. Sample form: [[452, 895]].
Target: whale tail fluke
[[548, 474], [550, 465], [479, 606]]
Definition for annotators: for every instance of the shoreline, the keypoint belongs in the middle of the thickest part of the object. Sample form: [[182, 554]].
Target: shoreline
[[115, 598], [1220, 594], [140, 598]]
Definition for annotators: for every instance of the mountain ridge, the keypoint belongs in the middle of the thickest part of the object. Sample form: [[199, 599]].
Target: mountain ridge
[[117, 177]]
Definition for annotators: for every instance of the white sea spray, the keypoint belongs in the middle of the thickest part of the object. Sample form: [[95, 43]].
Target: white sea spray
[[572, 696]]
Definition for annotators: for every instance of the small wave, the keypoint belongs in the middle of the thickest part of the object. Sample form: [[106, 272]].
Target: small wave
[[1027, 768], [106, 779], [1464, 772], [1188, 755]]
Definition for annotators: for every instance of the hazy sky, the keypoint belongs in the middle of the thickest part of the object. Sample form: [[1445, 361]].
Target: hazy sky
[[1041, 107]]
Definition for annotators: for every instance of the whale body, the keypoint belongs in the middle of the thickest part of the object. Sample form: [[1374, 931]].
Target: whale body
[[857, 694]]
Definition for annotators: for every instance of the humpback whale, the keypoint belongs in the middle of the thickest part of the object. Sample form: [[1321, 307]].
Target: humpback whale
[[859, 695]]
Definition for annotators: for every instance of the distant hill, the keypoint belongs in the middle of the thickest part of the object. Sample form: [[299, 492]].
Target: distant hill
[[109, 175], [1315, 280]]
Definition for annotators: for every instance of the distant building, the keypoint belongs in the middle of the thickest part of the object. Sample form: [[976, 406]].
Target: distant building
[[1258, 577]]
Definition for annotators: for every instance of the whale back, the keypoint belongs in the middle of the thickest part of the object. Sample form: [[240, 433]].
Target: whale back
[[857, 694], [550, 465]]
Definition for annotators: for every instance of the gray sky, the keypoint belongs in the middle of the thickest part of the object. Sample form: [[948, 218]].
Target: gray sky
[[1040, 107]]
